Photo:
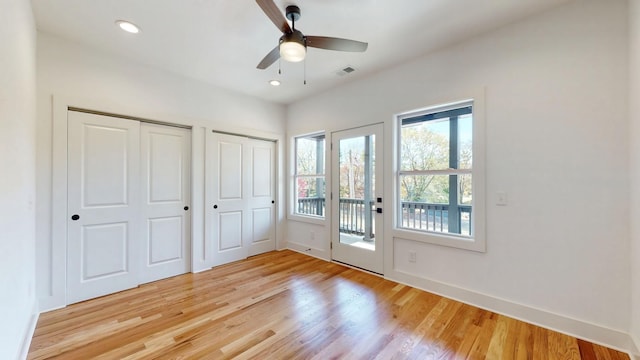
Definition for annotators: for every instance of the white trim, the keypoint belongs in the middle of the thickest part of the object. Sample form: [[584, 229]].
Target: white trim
[[308, 250], [594, 333], [436, 172], [635, 354], [310, 219], [30, 330], [198, 261]]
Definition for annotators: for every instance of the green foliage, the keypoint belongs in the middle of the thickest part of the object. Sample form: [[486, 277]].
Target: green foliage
[[423, 148]]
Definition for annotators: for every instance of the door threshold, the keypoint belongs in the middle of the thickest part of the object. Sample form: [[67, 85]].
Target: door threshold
[[357, 268]]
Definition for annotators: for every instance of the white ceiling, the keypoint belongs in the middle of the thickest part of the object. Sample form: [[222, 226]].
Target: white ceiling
[[221, 41]]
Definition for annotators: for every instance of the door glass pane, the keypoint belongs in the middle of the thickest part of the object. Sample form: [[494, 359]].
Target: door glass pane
[[357, 189]]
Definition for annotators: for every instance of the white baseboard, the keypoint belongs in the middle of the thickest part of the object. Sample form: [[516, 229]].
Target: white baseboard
[[636, 355], [596, 334], [305, 249], [28, 335]]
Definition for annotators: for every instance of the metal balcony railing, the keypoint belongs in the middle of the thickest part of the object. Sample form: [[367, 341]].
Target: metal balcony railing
[[415, 215], [434, 217]]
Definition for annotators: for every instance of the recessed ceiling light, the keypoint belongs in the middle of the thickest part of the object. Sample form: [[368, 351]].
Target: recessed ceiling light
[[275, 82], [128, 27]]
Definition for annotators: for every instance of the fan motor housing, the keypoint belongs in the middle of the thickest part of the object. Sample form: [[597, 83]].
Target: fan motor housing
[[292, 12], [295, 36]]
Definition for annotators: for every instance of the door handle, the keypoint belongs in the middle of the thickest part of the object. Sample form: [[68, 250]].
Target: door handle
[[379, 210], [75, 217], [186, 208], [215, 206]]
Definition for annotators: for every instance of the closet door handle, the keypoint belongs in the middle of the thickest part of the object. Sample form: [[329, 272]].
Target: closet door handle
[[75, 217], [215, 206], [186, 208]]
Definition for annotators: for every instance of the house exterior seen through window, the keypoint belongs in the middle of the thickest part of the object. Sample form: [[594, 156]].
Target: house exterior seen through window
[[435, 166], [309, 178]]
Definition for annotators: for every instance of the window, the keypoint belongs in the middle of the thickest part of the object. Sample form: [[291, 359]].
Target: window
[[309, 181], [435, 172]]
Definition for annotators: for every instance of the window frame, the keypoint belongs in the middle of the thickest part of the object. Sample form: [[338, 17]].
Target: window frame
[[477, 241], [293, 214]]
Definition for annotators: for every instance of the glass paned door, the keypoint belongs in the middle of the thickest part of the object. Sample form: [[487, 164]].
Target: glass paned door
[[357, 197]]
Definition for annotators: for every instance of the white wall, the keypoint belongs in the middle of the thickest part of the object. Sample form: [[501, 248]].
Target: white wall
[[634, 140], [77, 75], [556, 142], [17, 179]]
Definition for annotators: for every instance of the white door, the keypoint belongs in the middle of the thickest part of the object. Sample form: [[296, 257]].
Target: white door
[[239, 197], [225, 205], [103, 205], [357, 170], [261, 197], [165, 189]]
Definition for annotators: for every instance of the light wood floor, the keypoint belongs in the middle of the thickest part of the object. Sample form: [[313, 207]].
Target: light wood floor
[[285, 305]]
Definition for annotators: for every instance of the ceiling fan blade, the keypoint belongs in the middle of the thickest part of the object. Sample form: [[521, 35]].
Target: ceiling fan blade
[[331, 43], [271, 57], [273, 13]]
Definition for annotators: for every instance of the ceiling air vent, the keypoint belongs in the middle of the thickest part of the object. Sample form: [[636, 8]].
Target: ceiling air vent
[[345, 71]]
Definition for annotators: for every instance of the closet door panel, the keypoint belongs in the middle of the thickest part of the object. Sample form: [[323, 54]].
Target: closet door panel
[[165, 209], [102, 206]]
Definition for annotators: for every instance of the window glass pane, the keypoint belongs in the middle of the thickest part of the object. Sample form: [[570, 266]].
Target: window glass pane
[[310, 155], [310, 195], [425, 145], [433, 189], [425, 203], [465, 142], [464, 189], [356, 166]]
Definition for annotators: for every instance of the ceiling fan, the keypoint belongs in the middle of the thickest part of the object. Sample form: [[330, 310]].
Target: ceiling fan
[[293, 44]]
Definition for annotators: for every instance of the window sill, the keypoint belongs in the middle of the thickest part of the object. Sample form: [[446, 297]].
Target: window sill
[[307, 219], [458, 242]]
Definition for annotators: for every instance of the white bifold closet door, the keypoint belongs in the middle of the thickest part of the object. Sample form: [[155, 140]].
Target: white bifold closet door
[[240, 196], [103, 221], [165, 192], [128, 185]]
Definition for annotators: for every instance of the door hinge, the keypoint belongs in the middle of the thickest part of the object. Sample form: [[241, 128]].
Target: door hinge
[[331, 146], [331, 196], [331, 245]]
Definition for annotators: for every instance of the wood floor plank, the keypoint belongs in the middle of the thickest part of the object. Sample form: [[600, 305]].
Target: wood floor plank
[[286, 305]]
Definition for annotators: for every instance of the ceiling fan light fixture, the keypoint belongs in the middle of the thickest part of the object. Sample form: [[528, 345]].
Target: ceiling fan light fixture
[[292, 46], [274, 82], [292, 51]]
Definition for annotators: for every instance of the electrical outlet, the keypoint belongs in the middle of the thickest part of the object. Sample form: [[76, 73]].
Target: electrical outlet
[[501, 198], [412, 256]]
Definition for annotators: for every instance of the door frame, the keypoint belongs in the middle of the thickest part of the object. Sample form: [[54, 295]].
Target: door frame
[[378, 267]]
